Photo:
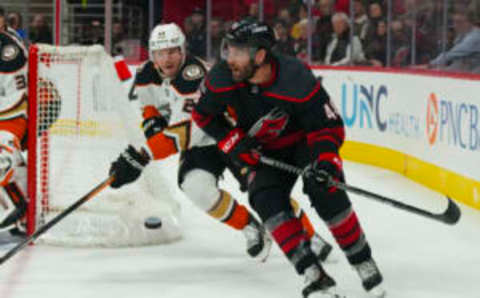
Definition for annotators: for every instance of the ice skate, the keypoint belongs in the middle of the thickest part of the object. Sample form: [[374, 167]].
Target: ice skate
[[259, 242], [371, 278]]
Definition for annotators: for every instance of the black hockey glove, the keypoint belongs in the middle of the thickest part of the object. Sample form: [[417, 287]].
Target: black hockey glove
[[318, 174], [128, 167], [153, 125], [240, 148]]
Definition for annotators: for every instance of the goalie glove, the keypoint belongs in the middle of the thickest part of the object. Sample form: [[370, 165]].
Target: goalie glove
[[10, 157], [128, 167]]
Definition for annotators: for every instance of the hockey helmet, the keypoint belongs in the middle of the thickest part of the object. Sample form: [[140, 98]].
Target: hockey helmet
[[166, 36], [251, 33]]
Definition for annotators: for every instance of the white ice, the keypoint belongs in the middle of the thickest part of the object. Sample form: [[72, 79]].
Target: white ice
[[419, 258]]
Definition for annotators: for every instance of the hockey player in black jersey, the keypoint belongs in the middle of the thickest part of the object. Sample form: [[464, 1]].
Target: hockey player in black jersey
[[167, 87], [302, 128]]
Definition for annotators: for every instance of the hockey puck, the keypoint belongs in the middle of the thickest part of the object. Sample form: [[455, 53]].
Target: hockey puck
[[153, 222]]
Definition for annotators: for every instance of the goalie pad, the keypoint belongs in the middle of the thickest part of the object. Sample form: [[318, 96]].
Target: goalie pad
[[10, 157], [13, 206]]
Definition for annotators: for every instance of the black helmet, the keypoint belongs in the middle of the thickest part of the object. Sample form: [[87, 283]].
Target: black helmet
[[251, 33]]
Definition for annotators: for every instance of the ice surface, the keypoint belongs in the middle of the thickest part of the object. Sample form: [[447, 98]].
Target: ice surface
[[419, 258]]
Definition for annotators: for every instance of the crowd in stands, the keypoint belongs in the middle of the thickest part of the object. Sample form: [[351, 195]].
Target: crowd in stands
[[410, 33], [359, 35]]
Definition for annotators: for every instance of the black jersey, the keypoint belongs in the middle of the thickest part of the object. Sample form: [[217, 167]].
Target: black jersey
[[292, 88]]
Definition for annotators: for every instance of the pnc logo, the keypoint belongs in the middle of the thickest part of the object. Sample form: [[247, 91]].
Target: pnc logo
[[432, 118]]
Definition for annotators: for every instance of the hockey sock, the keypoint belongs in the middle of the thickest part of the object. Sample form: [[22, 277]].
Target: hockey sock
[[230, 212], [288, 232], [349, 235]]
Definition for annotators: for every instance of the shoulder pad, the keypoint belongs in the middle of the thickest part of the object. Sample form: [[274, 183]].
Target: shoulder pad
[[12, 56], [190, 76], [147, 74], [294, 81], [219, 79]]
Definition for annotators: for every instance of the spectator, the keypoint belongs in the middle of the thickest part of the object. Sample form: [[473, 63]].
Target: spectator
[[197, 39], [188, 25], [401, 39], [301, 43], [15, 22], [118, 38], [474, 7], [465, 54], [430, 24], [376, 48], [285, 43], [302, 15], [324, 29], [216, 31], [39, 30], [284, 14], [342, 50], [252, 10], [375, 15], [361, 20], [95, 33]]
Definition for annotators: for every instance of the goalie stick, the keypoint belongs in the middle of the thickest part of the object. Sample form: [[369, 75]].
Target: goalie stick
[[450, 216], [56, 219]]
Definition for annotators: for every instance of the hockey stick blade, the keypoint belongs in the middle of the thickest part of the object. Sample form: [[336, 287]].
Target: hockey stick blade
[[450, 216], [56, 219]]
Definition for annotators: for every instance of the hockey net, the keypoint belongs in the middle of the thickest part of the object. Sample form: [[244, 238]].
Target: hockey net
[[80, 120]]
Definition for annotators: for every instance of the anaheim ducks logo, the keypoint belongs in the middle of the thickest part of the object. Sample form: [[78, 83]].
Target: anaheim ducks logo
[[9, 53], [193, 72]]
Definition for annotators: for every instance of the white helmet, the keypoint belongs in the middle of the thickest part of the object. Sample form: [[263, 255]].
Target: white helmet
[[166, 36]]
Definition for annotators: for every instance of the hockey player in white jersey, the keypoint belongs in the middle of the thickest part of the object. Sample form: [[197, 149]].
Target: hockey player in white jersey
[[13, 127], [168, 87]]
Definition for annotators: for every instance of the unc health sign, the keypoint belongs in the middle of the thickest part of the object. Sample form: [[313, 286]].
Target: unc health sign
[[435, 119]]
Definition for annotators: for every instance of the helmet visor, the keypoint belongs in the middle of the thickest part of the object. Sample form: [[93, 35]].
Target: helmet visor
[[232, 49]]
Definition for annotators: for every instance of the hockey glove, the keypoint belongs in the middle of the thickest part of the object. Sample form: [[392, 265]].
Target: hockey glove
[[153, 125], [128, 167], [319, 173], [240, 148]]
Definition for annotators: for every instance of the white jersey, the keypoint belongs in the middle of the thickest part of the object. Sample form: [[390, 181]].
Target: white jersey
[[13, 76], [175, 99]]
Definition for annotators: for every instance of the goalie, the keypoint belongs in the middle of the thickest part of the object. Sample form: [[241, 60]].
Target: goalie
[[168, 88], [13, 127]]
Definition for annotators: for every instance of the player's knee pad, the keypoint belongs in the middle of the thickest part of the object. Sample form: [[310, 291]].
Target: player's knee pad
[[328, 205], [201, 187], [268, 202]]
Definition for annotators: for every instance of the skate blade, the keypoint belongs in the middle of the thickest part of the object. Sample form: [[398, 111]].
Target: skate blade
[[265, 253], [328, 293], [377, 292]]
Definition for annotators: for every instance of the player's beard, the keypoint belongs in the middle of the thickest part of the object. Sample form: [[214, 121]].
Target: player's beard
[[240, 75]]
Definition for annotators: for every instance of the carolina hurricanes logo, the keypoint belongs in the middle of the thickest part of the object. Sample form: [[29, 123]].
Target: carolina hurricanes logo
[[271, 128], [432, 118]]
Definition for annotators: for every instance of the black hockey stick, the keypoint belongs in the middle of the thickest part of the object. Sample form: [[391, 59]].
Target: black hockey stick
[[450, 216], [56, 219]]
